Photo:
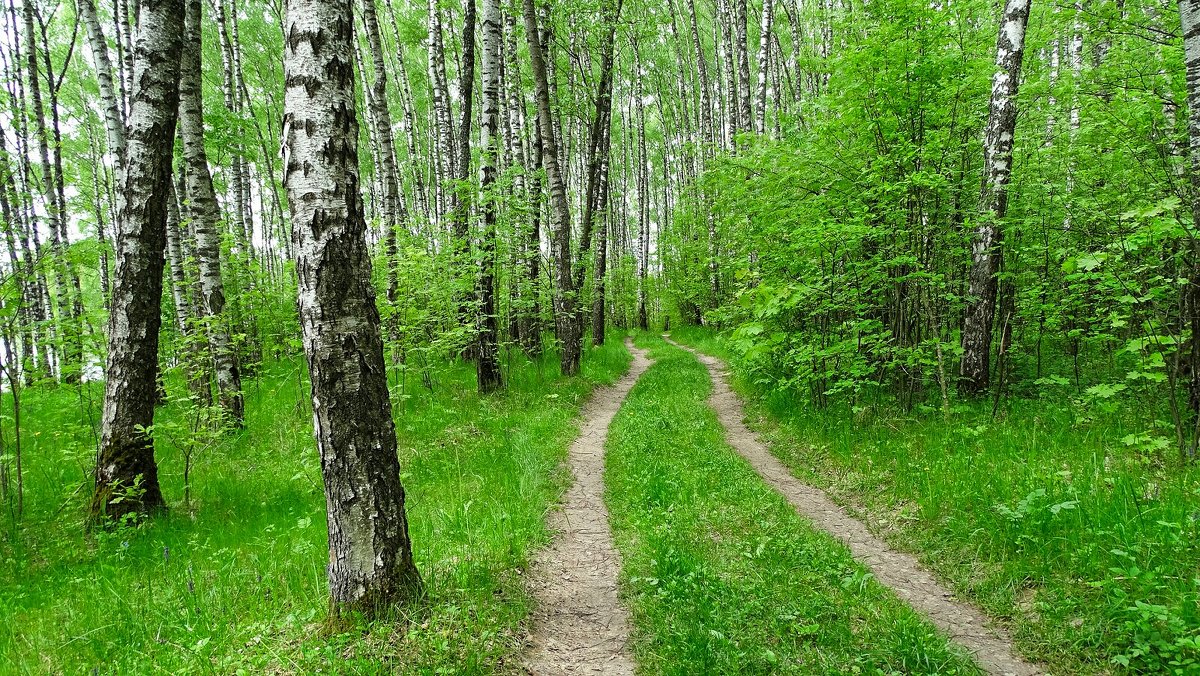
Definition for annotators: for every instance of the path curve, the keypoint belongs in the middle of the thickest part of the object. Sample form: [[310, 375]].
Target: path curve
[[579, 624], [966, 625]]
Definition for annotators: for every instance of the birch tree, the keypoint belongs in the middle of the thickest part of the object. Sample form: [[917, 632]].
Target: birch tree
[[370, 555], [114, 122], [986, 246], [126, 478], [1189, 17], [764, 62], [487, 363], [567, 326], [381, 116], [205, 215]]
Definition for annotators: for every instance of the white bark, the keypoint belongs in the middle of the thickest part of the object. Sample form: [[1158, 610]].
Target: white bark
[[764, 62], [126, 453], [993, 203], [205, 214], [370, 555]]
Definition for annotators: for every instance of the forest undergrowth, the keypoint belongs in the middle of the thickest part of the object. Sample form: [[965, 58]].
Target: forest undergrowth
[[229, 584]]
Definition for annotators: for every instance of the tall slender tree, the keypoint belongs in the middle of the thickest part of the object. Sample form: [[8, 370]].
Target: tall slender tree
[[487, 363], [566, 320], [986, 246], [126, 479], [205, 216], [370, 554]]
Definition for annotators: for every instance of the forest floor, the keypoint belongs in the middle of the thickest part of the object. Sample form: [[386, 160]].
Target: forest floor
[[681, 529], [1048, 512], [579, 624], [990, 646]]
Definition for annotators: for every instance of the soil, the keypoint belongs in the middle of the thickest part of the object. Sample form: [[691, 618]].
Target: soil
[[579, 624]]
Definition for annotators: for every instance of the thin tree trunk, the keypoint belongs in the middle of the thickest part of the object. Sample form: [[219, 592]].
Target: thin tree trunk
[[597, 150], [764, 62], [206, 217], [69, 328], [742, 48], [487, 364], [599, 323], [643, 202], [123, 36], [370, 554], [706, 125], [126, 473], [393, 208], [528, 198], [459, 200], [195, 355], [114, 123], [1189, 16], [986, 248], [445, 157], [237, 212], [567, 326]]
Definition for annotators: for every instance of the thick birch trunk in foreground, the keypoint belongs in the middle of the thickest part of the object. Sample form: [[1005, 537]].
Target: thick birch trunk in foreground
[[126, 456], [986, 251], [567, 325], [370, 555], [206, 218]]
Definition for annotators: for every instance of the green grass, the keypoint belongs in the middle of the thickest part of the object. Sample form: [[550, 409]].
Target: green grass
[[1043, 516], [235, 581], [721, 573]]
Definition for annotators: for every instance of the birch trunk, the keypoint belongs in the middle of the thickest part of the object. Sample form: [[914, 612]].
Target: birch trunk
[[742, 47], [459, 201], [125, 466], [206, 218], [567, 327], [597, 148], [381, 116], [729, 98], [643, 202], [764, 62], [123, 36], [986, 247], [370, 555], [487, 363], [527, 186], [228, 88], [114, 123], [445, 157], [601, 263], [69, 328], [1189, 17], [705, 117]]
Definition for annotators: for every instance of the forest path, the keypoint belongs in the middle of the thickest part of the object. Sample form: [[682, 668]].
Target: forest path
[[579, 624], [965, 624]]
